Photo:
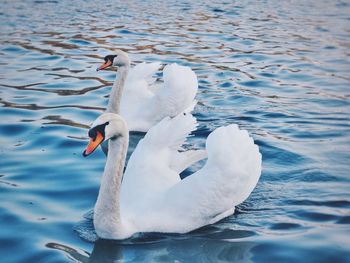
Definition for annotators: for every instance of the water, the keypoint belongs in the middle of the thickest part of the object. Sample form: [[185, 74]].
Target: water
[[278, 69]]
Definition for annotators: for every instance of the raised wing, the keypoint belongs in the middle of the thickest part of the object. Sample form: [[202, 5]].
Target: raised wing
[[229, 176], [178, 93], [143, 72], [143, 106], [153, 167]]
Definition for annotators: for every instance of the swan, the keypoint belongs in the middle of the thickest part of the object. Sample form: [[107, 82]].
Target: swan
[[141, 102], [150, 196]]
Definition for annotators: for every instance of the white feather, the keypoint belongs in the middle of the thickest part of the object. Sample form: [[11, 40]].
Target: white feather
[[153, 197], [144, 103]]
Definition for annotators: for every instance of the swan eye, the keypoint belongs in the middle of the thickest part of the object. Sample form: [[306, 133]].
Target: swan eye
[[107, 123]]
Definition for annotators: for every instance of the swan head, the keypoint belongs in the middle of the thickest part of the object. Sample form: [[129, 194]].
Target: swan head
[[108, 126], [118, 59]]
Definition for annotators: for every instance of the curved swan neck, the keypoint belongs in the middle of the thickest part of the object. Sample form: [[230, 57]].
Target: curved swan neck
[[117, 90], [107, 217]]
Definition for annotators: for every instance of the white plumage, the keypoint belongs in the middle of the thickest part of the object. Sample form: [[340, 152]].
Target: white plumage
[[141, 100], [152, 197], [144, 103]]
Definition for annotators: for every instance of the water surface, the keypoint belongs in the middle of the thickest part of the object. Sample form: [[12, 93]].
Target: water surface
[[278, 69]]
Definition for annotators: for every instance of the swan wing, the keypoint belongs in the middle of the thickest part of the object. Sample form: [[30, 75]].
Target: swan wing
[[171, 133], [143, 72], [182, 160], [178, 93], [168, 137], [143, 106], [138, 81], [136, 93], [229, 176], [155, 163]]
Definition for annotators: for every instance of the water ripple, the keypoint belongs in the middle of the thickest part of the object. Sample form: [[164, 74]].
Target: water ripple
[[278, 69]]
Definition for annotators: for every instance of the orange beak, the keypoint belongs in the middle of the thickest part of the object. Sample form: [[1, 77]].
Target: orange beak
[[93, 144], [104, 65]]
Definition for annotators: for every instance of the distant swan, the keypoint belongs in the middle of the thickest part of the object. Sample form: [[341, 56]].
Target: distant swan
[[142, 104], [151, 197]]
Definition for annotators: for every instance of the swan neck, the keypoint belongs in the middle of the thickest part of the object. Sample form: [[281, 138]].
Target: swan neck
[[117, 90], [107, 218]]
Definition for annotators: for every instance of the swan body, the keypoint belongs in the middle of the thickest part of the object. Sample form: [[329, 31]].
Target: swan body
[[152, 197], [141, 102]]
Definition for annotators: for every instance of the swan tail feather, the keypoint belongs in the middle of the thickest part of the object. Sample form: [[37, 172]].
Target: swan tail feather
[[229, 176]]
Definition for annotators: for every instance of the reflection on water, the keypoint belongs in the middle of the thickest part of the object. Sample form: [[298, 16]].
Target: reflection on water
[[278, 69], [163, 250]]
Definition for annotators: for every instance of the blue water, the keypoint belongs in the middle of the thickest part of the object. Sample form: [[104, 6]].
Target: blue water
[[280, 69]]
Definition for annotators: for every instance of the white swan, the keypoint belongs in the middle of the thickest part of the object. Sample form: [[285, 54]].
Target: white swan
[[152, 197], [142, 104]]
